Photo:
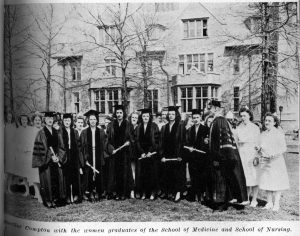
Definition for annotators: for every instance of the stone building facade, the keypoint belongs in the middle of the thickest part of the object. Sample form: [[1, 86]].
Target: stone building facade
[[199, 61]]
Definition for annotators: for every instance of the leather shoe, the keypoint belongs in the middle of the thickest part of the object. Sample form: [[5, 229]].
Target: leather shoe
[[177, 198]]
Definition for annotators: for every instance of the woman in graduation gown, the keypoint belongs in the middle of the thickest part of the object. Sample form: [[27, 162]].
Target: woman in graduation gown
[[120, 180], [93, 142], [49, 156], [198, 162], [171, 150], [74, 162], [147, 147]]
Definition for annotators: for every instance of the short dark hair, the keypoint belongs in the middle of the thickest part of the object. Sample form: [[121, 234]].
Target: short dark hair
[[88, 119], [244, 109], [140, 119], [124, 113], [177, 116], [276, 120], [207, 117], [28, 119], [72, 122], [12, 117]]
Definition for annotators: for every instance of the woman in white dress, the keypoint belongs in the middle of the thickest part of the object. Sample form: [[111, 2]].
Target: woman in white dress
[[24, 150], [273, 176], [9, 146], [247, 136], [133, 118]]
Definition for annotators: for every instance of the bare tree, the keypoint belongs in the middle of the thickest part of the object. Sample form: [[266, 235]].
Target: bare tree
[[149, 52], [14, 40], [44, 43], [269, 24], [113, 21]]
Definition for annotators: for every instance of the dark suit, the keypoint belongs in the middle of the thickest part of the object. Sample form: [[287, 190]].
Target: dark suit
[[198, 162]]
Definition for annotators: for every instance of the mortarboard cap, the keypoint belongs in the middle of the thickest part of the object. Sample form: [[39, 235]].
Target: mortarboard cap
[[215, 103], [119, 107], [145, 110], [91, 112], [68, 115], [49, 113], [173, 108], [196, 111]]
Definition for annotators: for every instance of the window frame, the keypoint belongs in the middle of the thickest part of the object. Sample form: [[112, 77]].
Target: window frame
[[111, 64], [188, 63], [195, 28], [76, 74], [236, 98], [153, 100], [108, 37], [100, 101], [236, 64], [76, 101], [186, 101]]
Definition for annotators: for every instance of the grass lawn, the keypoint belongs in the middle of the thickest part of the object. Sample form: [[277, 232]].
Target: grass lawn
[[159, 210]]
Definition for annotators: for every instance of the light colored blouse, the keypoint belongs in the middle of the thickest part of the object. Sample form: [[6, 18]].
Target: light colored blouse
[[272, 143]]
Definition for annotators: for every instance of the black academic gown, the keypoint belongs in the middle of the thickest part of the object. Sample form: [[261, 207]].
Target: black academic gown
[[74, 162], [147, 168], [53, 188], [172, 147], [93, 181], [228, 175], [198, 162], [120, 180]]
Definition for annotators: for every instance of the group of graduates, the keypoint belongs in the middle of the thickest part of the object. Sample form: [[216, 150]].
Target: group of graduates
[[138, 158]]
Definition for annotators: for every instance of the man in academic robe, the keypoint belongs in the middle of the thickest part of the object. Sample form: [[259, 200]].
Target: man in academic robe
[[120, 180], [229, 183], [73, 167], [147, 148], [49, 156], [197, 145], [93, 141], [171, 150]]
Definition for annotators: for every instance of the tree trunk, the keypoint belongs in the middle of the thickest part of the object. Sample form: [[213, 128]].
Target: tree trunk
[[9, 69], [249, 96], [48, 85], [168, 85], [145, 82], [264, 59], [65, 98], [269, 58], [124, 82]]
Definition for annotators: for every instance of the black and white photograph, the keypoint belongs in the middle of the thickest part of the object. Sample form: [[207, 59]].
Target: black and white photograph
[[151, 111]]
